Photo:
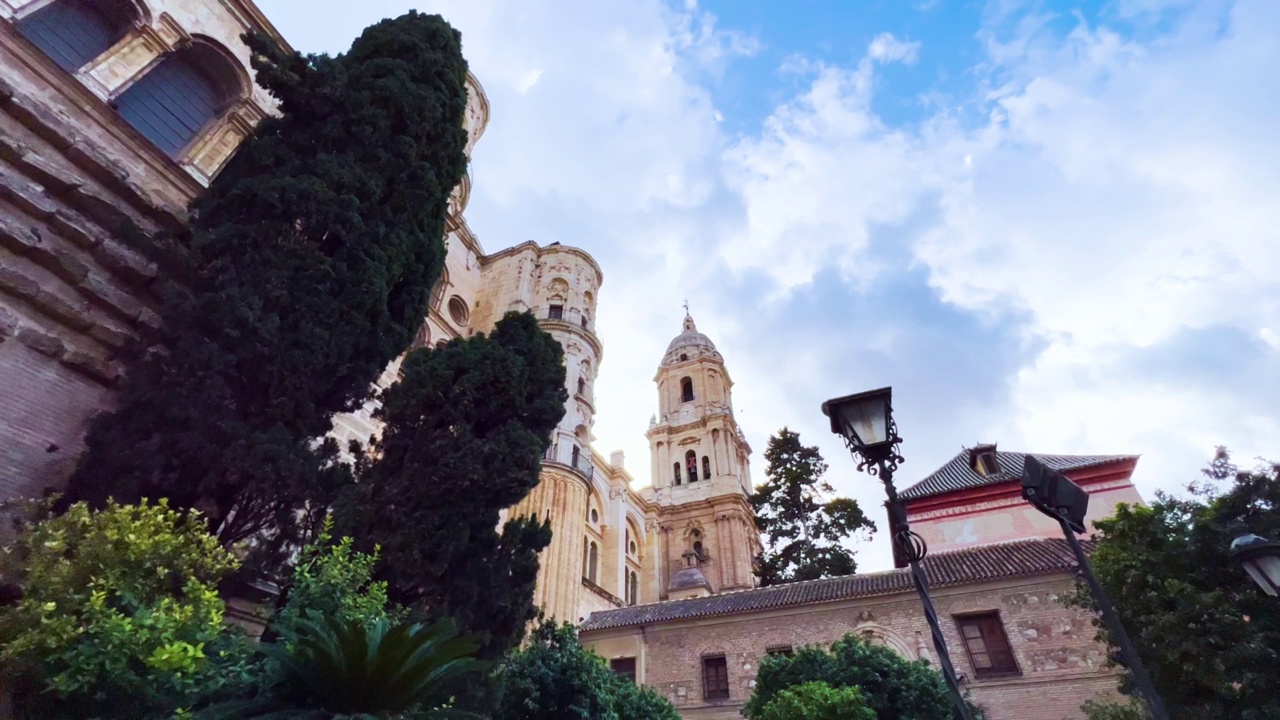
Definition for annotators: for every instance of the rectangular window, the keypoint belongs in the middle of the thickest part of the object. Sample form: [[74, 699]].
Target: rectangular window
[[625, 667], [987, 645], [555, 312], [715, 678], [783, 650]]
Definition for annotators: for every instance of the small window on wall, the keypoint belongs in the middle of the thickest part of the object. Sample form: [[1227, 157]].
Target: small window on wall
[[987, 645], [632, 589], [592, 561], [675, 467], [625, 667], [582, 386], [706, 467], [595, 516], [715, 678], [73, 32], [458, 311], [780, 650], [691, 464], [555, 312]]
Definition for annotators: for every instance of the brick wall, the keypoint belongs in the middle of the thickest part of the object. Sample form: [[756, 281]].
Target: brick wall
[[1060, 664]]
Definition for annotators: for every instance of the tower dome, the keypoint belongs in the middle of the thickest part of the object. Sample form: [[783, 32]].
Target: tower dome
[[689, 344]]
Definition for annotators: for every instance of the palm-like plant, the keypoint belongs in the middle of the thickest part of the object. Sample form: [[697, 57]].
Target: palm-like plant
[[327, 668]]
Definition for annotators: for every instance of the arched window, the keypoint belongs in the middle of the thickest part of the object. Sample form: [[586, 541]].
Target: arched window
[[697, 548], [437, 293], [73, 32], [691, 464], [676, 468], [180, 96], [706, 467], [593, 560], [686, 390], [582, 386], [632, 590]]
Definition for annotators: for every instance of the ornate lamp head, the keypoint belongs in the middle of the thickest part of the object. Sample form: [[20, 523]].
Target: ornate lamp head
[[865, 421]]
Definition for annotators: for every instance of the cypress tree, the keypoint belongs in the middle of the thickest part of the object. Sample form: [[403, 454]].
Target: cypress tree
[[464, 435], [804, 527], [313, 255]]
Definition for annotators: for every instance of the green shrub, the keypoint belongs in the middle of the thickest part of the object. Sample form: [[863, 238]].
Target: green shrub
[[817, 701], [120, 615], [892, 686]]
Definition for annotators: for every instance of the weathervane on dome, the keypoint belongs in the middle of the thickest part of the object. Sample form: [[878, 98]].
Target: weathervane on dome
[[686, 306]]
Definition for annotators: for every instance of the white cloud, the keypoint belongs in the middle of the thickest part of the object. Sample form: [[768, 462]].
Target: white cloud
[[887, 48], [1120, 193]]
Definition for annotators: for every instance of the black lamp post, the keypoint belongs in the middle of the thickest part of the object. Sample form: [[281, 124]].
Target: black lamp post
[[865, 421], [1053, 494], [1261, 559]]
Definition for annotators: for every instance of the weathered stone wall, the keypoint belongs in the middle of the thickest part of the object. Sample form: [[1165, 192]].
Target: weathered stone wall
[[74, 286], [1060, 664]]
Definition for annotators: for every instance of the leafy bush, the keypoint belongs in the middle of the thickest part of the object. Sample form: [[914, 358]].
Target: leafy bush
[[893, 686], [332, 579], [817, 701], [555, 678], [119, 615], [1115, 710]]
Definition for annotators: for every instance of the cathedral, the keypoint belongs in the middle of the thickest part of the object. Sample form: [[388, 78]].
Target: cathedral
[[115, 111]]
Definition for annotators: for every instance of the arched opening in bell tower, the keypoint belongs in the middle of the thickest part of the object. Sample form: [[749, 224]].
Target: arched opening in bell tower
[[691, 464], [686, 390]]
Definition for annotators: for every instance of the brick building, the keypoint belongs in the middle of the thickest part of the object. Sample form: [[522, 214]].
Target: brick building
[[998, 577]]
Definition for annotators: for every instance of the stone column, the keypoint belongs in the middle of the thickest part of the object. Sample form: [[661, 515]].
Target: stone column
[[560, 577]]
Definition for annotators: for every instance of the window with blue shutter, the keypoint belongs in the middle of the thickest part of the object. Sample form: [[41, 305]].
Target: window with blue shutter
[[73, 32], [173, 102]]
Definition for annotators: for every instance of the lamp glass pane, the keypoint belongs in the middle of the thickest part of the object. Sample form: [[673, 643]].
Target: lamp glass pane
[[1265, 571], [866, 419]]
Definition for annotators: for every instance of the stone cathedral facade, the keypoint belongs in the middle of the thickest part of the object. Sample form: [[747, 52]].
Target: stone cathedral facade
[[115, 111]]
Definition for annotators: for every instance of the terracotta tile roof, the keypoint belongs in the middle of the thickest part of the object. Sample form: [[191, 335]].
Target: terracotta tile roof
[[959, 475], [956, 567]]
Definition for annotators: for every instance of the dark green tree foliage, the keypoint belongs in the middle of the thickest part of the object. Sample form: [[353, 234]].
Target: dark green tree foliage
[[314, 253], [554, 678], [1207, 634], [893, 686], [465, 431], [803, 529]]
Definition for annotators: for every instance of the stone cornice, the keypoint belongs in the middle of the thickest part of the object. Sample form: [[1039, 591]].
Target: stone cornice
[[601, 592], [540, 251], [571, 328], [250, 17]]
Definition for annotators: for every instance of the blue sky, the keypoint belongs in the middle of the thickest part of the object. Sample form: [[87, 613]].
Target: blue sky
[[1049, 225]]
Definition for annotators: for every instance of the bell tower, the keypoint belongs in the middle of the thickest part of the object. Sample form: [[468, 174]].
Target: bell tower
[[701, 473]]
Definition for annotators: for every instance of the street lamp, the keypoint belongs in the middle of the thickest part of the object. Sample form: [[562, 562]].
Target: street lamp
[[1053, 494], [1261, 559], [865, 421]]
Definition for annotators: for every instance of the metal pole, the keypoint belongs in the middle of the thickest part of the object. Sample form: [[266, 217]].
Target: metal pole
[[1115, 629], [918, 577], [939, 642]]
